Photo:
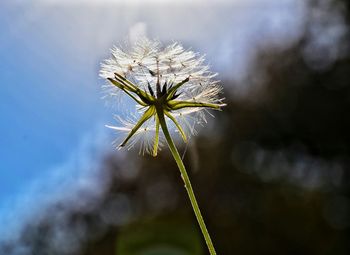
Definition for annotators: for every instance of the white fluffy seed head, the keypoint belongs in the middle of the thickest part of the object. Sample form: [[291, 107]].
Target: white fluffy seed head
[[146, 63]]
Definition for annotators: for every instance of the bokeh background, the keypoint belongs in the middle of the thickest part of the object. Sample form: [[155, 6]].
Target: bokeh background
[[271, 171]]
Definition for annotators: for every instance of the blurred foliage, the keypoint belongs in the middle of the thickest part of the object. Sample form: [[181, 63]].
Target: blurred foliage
[[171, 236]]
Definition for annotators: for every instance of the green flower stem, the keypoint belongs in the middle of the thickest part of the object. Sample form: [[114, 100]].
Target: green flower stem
[[186, 180]]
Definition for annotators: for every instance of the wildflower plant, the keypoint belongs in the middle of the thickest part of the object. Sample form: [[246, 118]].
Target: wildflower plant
[[172, 90]]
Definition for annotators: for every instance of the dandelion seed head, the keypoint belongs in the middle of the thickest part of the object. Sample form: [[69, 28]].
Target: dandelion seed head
[[169, 78]]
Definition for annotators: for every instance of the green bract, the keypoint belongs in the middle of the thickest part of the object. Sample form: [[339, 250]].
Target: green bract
[[167, 81], [162, 102]]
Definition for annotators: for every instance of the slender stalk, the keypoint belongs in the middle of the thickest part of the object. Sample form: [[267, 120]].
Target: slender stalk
[[186, 180]]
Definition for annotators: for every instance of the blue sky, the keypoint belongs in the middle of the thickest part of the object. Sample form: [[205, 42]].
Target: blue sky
[[49, 99], [51, 114]]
